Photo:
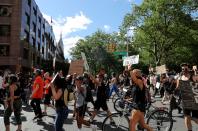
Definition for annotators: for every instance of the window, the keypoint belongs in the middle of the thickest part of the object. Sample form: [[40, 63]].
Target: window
[[43, 38], [33, 42], [27, 19], [29, 3], [27, 35], [39, 33], [35, 12], [39, 19], [34, 27], [25, 53], [44, 26], [38, 60], [42, 50], [4, 30], [39, 46], [4, 50], [5, 11]]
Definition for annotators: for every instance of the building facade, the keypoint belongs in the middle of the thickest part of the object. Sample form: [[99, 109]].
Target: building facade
[[26, 38]]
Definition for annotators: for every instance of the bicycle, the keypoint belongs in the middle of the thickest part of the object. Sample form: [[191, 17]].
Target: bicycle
[[157, 119]]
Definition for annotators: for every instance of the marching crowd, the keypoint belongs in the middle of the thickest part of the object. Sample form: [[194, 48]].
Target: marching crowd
[[55, 91]]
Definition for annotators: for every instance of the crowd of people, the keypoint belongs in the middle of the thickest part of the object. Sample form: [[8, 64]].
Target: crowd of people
[[41, 87]]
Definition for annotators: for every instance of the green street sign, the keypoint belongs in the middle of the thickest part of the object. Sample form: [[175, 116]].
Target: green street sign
[[123, 53]]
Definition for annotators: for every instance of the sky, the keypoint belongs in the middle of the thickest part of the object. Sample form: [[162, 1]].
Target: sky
[[76, 19]]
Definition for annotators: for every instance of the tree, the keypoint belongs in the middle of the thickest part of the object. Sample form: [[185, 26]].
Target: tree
[[165, 30], [95, 49]]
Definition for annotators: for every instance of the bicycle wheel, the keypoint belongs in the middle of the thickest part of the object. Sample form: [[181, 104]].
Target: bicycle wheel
[[160, 120], [118, 104], [119, 122], [114, 97]]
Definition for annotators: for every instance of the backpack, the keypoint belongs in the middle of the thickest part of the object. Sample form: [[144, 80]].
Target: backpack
[[68, 94]]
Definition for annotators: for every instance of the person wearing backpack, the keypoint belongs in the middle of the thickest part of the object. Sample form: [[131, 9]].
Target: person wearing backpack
[[57, 88], [80, 103]]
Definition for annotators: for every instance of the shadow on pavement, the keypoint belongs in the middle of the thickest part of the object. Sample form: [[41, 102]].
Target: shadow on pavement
[[27, 108]]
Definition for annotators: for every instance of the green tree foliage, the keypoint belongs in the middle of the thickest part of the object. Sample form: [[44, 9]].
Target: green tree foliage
[[166, 31], [95, 49]]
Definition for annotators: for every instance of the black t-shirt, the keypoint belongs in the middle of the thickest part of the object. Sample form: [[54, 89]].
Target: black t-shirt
[[60, 102], [102, 92]]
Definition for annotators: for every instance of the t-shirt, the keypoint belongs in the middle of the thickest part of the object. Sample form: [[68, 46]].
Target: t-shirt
[[39, 94], [47, 81], [80, 97]]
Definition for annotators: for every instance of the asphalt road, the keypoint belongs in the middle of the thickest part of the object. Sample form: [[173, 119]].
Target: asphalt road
[[70, 124]]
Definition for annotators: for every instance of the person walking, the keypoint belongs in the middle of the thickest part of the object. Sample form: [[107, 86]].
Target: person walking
[[47, 93], [80, 104], [190, 106], [139, 101], [13, 103], [37, 94], [101, 97], [57, 88]]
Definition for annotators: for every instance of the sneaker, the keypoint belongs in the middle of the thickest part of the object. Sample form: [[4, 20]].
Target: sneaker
[[90, 120], [112, 122], [79, 129]]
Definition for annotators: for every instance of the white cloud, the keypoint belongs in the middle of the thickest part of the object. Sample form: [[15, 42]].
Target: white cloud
[[70, 42], [68, 25], [107, 28]]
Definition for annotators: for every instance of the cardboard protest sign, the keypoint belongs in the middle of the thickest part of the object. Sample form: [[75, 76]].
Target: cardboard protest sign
[[189, 94], [161, 69], [76, 67]]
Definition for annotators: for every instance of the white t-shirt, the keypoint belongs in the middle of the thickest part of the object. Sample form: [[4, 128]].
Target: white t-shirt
[[1, 82], [80, 98]]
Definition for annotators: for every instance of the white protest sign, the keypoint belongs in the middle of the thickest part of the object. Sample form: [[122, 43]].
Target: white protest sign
[[131, 60], [85, 61]]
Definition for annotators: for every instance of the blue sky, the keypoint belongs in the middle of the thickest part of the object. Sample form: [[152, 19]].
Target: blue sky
[[79, 18]]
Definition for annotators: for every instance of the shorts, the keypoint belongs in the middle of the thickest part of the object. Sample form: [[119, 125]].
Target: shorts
[[81, 110], [47, 99], [101, 104], [192, 113]]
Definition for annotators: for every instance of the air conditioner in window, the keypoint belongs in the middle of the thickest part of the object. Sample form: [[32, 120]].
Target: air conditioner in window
[[5, 11]]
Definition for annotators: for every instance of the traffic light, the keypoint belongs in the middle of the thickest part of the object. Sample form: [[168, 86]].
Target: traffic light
[[111, 47]]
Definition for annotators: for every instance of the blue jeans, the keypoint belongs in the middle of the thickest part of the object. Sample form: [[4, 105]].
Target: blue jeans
[[59, 120], [113, 88]]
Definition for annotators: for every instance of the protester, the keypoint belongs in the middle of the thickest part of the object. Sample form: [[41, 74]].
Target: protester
[[114, 87], [101, 97], [57, 88], [37, 94], [13, 103], [80, 103], [190, 107], [139, 100], [2, 90], [47, 93]]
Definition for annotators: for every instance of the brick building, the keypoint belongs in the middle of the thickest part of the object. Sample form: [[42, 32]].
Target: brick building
[[26, 38]]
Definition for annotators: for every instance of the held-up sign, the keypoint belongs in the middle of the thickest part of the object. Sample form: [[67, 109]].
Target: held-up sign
[[131, 60], [85, 61], [161, 69], [76, 67], [189, 94]]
